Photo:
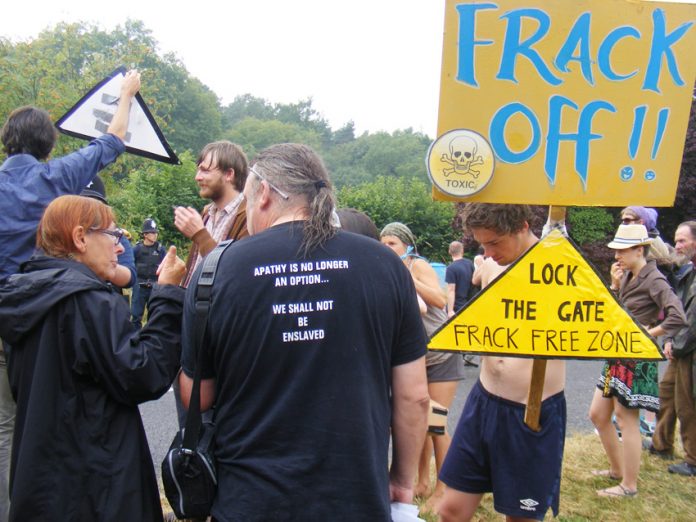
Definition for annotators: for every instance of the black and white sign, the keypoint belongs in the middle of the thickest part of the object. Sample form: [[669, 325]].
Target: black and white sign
[[90, 117]]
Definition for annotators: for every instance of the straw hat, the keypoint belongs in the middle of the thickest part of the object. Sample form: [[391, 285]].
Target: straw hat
[[628, 236]]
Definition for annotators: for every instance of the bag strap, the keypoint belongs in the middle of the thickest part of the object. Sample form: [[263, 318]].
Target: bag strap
[[203, 291]]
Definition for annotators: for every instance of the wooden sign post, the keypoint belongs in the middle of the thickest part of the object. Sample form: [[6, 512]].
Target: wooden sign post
[[536, 391], [532, 412]]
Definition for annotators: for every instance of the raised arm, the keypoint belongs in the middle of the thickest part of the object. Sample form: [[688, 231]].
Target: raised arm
[[129, 88]]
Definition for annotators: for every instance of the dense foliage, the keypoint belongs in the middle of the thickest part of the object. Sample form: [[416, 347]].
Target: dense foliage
[[390, 199], [382, 173]]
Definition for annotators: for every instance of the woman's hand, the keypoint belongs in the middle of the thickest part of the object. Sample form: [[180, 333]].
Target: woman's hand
[[171, 269], [616, 273]]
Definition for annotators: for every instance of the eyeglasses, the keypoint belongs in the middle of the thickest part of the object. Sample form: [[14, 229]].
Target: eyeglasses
[[258, 175], [628, 220], [115, 234]]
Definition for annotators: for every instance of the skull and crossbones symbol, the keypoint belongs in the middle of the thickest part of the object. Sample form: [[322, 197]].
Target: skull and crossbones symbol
[[462, 157]]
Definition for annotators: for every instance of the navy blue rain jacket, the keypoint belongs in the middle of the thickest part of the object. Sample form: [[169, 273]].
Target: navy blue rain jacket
[[78, 371]]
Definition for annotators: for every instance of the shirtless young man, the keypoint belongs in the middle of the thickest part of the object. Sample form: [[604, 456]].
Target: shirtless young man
[[492, 449]]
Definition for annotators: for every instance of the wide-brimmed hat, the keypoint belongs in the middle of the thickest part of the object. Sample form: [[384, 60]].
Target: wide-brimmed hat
[[628, 236]]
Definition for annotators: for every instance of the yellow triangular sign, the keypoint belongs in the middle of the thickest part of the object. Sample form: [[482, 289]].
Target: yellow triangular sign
[[551, 304]]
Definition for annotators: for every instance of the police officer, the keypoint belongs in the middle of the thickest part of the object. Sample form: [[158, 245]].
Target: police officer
[[148, 255]]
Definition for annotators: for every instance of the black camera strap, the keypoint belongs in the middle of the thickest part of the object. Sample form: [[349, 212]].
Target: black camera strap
[[204, 288]]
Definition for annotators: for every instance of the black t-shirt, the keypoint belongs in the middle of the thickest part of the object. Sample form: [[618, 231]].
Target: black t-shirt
[[302, 351], [459, 274]]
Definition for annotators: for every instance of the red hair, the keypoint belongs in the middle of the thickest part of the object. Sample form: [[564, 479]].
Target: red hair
[[55, 233]]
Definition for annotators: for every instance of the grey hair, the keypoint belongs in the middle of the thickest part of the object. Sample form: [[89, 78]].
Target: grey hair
[[299, 172], [691, 225]]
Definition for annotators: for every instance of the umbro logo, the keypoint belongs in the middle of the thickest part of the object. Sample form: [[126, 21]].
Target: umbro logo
[[528, 504]]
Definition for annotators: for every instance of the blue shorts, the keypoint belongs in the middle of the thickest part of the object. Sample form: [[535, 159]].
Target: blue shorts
[[494, 451]]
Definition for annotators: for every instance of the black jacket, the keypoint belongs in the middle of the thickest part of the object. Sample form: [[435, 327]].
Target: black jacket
[[78, 371], [685, 341]]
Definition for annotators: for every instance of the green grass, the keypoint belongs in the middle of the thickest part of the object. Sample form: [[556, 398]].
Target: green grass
[[662, 496]]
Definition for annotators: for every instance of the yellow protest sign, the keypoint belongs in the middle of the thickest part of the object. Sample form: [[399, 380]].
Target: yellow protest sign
[[550, 303], [582, 103]]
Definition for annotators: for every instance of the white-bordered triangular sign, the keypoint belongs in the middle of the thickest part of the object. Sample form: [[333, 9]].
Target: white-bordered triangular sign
[[90, 117]]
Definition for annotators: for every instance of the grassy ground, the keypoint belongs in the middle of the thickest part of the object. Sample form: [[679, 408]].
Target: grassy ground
[[662, 496]]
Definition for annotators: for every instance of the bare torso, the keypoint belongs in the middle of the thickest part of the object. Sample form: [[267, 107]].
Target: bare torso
[[509, 377]]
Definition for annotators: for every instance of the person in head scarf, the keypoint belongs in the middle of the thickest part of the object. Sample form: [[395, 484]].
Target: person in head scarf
[[444, 370], [659, 251]]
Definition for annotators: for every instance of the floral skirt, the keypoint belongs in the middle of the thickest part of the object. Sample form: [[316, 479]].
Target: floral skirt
[[633, 383]]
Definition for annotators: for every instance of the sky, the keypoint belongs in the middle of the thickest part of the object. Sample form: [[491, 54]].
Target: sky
[[373, 62]]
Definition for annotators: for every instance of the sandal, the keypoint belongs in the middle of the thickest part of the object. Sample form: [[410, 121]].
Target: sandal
[[617, 491], [604, 473]]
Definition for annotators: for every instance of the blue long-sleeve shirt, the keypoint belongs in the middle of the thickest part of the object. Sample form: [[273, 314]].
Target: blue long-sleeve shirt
[[28, 185], [127, 259]]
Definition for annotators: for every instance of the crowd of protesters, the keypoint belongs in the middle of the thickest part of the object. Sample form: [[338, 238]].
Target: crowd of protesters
[[315, 360]]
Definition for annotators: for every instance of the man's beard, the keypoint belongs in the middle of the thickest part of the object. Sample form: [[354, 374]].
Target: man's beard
[[685, 257], [212, 193]]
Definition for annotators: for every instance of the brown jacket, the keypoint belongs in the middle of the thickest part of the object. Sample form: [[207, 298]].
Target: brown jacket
[[649, 293], [203, 242]]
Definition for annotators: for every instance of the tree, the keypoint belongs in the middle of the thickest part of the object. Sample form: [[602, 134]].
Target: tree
[[254, 135], [58, 67], [400, 154], [590, 224], [299, 115], [388, 199], [683, 208], [152, 192], [246, 106]]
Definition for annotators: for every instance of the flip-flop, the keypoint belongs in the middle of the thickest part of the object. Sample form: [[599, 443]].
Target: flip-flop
[[611, 493], [604, 473]]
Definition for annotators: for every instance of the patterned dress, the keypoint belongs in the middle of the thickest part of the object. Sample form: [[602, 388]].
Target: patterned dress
[[635, 383]]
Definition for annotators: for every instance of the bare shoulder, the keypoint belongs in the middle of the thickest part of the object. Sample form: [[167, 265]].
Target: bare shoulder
[[420, 267]]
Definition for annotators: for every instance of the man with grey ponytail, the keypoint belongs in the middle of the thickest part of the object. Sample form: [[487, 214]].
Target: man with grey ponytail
[[317, 356], [306, 186]]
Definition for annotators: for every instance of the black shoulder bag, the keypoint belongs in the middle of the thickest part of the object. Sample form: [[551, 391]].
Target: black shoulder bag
[[188, 470]]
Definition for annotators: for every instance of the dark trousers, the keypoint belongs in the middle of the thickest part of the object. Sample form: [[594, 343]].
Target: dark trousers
[[677, 402], [139, 299]]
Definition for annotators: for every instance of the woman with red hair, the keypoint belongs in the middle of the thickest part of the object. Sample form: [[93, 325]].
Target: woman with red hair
[[78, 371]]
